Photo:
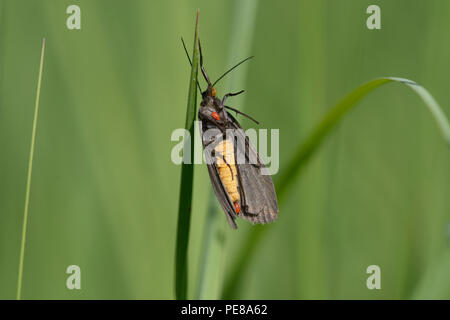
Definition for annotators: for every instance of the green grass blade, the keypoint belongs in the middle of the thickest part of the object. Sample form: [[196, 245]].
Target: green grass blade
[[311, 145], [211, 266], [243, 258], [340, 110], [30, 170], [186, 185], [212, 259]]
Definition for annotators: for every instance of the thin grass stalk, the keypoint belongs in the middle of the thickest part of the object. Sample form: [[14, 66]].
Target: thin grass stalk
[[186, 184], [30, 170]]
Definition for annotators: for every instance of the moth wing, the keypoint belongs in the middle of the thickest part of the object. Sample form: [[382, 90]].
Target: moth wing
[[259, 200], [219, 189]]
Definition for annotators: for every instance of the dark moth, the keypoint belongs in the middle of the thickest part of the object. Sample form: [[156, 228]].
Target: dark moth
[[238, 176]]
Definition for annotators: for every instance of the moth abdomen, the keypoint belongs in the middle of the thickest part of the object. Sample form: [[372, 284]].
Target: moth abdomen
[[226, 166]]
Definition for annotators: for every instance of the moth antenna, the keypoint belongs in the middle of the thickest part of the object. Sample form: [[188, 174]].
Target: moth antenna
[[205, 75], [232, 68], [190, 62]]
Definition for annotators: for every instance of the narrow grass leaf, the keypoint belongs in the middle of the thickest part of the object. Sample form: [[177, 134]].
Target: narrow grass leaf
[[186, 185], [30, 170], [307, 149]]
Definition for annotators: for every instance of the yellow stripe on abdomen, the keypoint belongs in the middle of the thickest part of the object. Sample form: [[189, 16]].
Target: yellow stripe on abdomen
[[229, 177]]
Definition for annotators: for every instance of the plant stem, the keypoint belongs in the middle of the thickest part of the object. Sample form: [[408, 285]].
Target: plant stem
[[30, 169], [186, 184]]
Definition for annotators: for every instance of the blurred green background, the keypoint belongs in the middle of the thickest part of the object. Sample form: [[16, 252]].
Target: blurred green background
[[104, 193]]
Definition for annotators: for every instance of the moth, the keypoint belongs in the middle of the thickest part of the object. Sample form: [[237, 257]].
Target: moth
[[239, 178]]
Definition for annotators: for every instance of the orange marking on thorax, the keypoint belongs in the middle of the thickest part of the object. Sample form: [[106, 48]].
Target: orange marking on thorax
[[215, 115]]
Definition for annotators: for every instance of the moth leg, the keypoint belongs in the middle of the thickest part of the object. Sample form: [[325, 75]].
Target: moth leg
[[225, 97], [240, 185], [228, 165], [225, 113], [258, 164], [242, 113]]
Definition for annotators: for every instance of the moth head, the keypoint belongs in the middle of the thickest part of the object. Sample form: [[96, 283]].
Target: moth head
[[210, 92], [207, 100]]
